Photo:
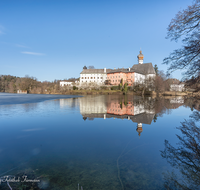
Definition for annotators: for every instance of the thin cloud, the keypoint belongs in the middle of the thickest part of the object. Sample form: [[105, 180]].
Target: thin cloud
[[1, 29], [32, 53], [21, 46], [13, 44]]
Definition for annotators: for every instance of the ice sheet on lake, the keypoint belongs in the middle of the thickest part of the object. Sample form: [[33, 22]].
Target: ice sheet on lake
[[9, 98]]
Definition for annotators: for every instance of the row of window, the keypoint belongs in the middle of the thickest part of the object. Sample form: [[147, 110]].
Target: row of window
[[119, 77], [89, 81], [117, 106], [117, 110], [92, 77], [119, 81]]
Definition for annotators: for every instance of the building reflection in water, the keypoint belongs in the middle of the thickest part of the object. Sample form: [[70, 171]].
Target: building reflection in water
[[71, 102], [138, 110], [118, 107], [92, 105]]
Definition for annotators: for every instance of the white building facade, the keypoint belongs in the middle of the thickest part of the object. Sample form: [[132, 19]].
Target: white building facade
[[67, 83], [95, 76], [177, 87]]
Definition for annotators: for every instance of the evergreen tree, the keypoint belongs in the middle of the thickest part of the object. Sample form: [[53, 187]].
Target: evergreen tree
[[156, 69]]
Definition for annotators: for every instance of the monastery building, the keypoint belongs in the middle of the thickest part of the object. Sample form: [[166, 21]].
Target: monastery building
[[138, 73]]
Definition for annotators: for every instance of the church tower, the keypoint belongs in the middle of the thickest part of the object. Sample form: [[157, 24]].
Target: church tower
[[140, 58]]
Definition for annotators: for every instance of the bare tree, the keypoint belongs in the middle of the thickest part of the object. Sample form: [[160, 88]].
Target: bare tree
[[185, 156], [185, 25]]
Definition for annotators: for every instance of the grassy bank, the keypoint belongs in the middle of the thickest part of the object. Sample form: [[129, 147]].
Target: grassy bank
[[120, 92]]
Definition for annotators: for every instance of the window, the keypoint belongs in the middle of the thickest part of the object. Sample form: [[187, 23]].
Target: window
[[113, 80], [91, 77], [116, 76], [94, 77], [88, 77], [82, 77], [97, 77], [85, 77], [101, 77]]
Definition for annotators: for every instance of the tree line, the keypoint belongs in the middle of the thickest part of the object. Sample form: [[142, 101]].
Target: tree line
[[11, 84]]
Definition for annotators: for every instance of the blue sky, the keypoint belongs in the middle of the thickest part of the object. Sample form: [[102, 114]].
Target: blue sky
[[55, 39]]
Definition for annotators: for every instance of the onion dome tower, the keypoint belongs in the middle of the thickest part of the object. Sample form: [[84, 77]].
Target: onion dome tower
[[140, 58], [139, 128]]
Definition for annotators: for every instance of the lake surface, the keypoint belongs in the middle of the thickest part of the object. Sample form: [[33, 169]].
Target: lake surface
[[99, 142]]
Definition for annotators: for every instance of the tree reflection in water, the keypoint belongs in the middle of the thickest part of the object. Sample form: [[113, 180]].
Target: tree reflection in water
[[185, 157]]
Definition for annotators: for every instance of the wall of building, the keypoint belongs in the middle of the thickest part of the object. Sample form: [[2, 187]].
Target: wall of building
[[64, 83], [139, 78], [115, 78], [130, 78], [22, 91], [93, 78], [151, 76], [177, 87]]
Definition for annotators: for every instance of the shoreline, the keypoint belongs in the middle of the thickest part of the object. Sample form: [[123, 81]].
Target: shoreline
[[119, 92]]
